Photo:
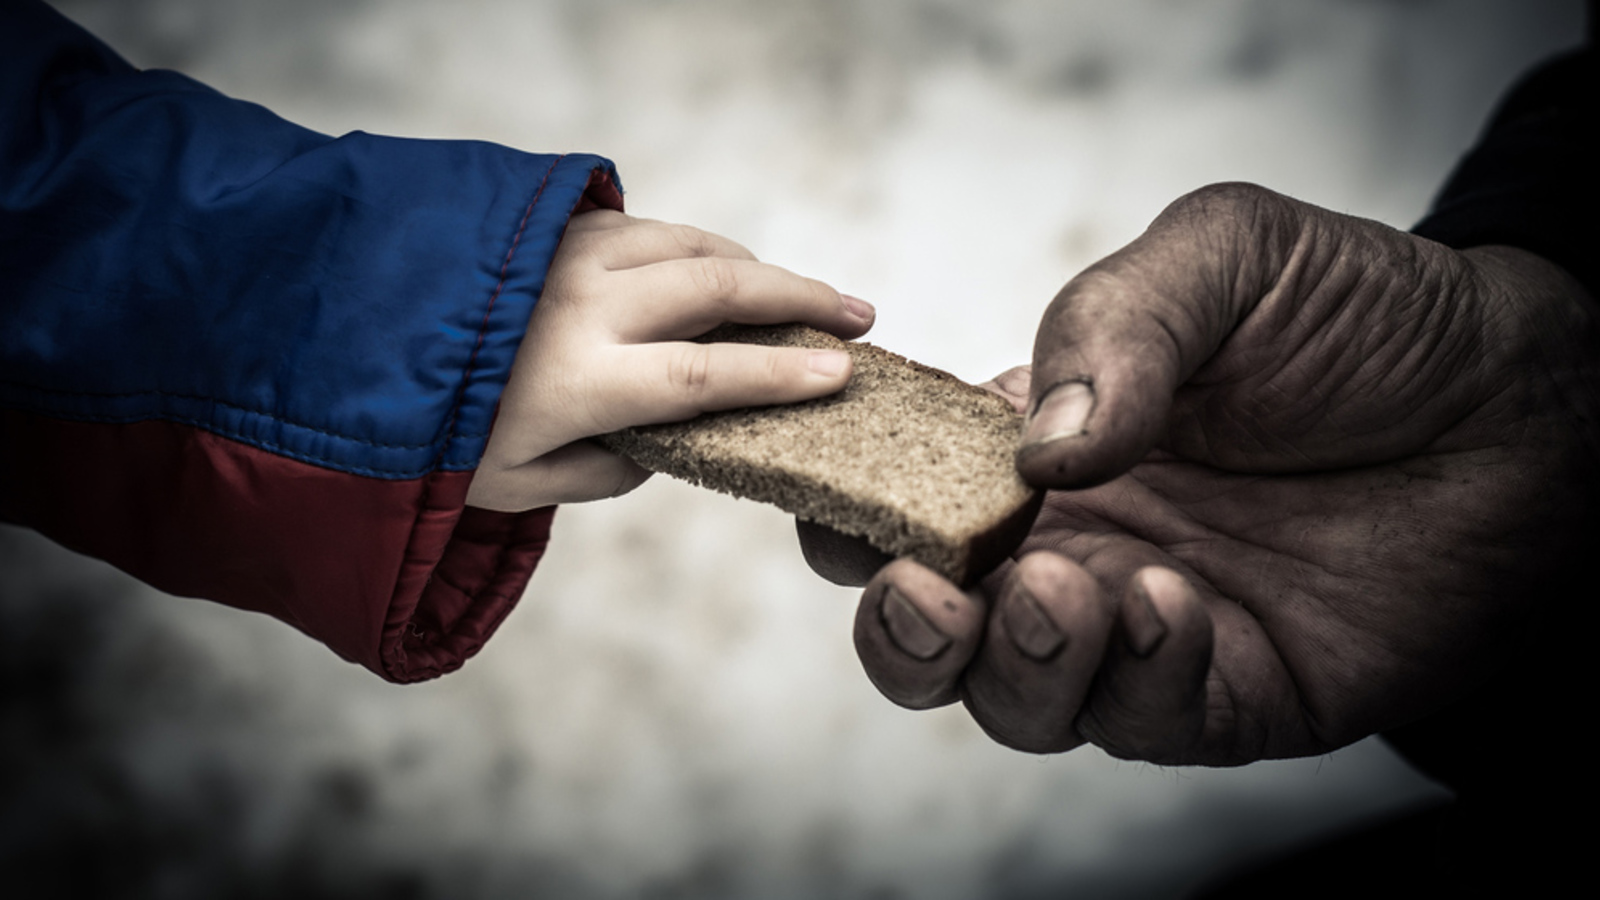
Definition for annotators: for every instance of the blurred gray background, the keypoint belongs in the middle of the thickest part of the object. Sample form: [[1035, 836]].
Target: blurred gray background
[[675, 709]]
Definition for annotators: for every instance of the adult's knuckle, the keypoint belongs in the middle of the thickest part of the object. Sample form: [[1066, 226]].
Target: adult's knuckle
[[1227, 199]]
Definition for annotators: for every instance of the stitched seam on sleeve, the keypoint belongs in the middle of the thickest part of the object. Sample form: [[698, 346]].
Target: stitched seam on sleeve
[[483, 327], [395, 660]]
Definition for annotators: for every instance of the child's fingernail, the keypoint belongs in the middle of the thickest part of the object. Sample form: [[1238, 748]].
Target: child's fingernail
[[830, 363], [1061, 413], [858, 307]]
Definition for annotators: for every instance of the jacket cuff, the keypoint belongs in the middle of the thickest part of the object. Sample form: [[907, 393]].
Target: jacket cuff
[[396, 575], [463, 572]]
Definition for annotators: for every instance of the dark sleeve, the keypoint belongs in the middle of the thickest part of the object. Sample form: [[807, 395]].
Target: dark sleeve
[[1529, 183], [1531, 180], [252, 363]]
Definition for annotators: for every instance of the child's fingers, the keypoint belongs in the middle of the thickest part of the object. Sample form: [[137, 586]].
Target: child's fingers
[[597, 220], [574, 473], [619, 241], [646, 241], [670, 382], [682, 298]]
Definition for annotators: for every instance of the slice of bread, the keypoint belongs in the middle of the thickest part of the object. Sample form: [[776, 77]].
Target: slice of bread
[[914, 460]]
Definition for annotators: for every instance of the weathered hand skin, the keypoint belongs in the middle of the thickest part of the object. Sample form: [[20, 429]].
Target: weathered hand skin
[[1362, 463], [841, 558]]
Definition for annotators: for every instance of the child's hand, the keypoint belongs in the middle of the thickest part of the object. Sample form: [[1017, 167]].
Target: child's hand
[[609, 346]]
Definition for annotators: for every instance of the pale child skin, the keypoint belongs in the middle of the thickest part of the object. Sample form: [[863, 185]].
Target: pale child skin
[[608, 347]]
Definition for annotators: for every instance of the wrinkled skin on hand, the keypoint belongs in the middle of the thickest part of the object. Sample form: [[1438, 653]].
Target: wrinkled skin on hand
[[1330, 476]]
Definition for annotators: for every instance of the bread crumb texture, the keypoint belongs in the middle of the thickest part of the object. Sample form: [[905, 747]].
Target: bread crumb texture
[[909, 457]]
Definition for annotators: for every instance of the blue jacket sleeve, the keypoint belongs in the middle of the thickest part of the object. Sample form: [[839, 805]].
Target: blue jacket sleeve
[[299, 333]]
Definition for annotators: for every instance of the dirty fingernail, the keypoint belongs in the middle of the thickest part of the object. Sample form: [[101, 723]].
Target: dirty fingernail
[[1031, 630], [831, 363], [1061, 413], [1143, 627], [858, 307], [909, 628]]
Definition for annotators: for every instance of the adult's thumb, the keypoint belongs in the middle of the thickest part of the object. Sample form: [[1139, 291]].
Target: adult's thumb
[[1121, 338]]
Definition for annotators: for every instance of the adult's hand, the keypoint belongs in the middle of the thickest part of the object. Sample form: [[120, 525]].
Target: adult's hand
[[1314, 478]]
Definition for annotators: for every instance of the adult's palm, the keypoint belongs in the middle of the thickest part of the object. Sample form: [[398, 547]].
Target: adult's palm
[[1358, 462]]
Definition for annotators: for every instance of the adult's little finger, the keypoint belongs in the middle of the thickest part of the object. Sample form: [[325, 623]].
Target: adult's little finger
[[841, 558], [1150, 701], [1013, 384]]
